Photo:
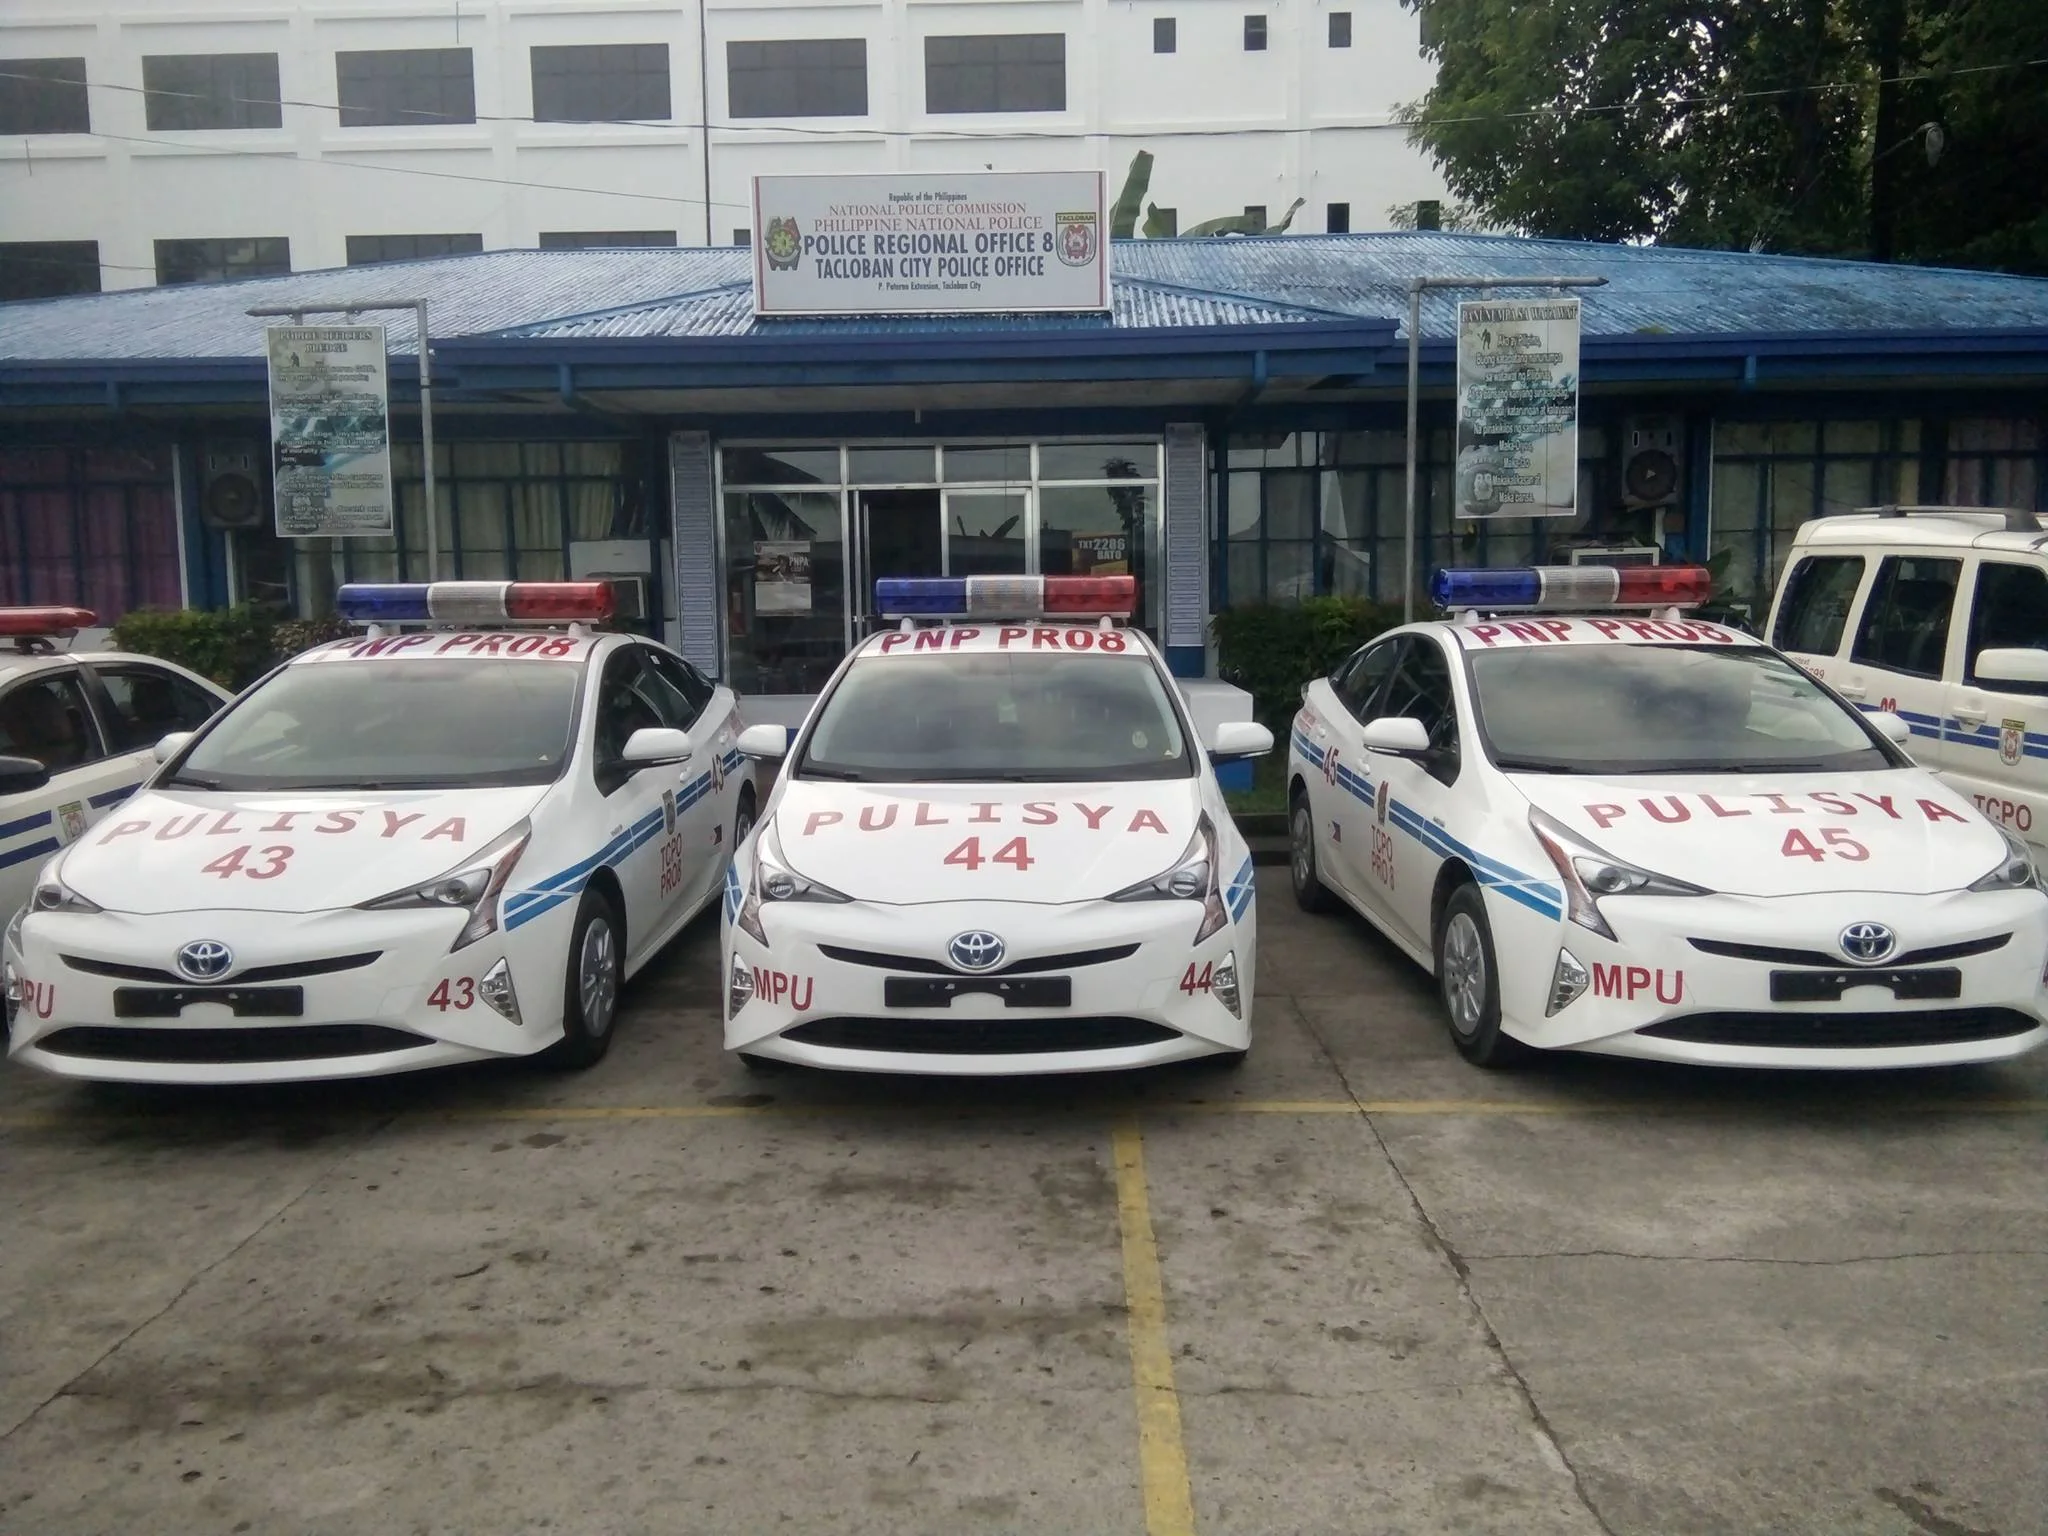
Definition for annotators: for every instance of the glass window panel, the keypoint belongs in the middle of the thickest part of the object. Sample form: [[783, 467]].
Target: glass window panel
[[1010, 465], [1244, 506], [603, 82], [1025, 72], [1909, 436], [1290, 571], [188, 91], [542, 458], [1110, 530], [781, 466], [1246, 573], [1977, 434], [1263, 450], [479, 459], [1098, 461], [1853, 436], [986, 532], [1905, 619], [1365, 447], [891, 466], [405, 87], [1737, 490], [367, 250], [1592, 442], [797, 77], [44, 96], [1848, 485], [784, 633], [594, 458], [1794, 436], [604, 239], [1742, 437], [1290, 504]]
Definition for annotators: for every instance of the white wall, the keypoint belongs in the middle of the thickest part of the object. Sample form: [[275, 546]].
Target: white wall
[[1305, 114]]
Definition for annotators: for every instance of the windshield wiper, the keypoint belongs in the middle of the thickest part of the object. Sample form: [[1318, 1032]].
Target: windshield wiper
[[842, 775], [193, 780], [1533, 765], [1779, 767]]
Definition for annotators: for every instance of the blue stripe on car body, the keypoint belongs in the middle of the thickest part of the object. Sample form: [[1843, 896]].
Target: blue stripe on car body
[[28, 851], [112, 796], [24, 824]]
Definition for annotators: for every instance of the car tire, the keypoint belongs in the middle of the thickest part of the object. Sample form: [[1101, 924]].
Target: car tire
[[743, 821], [1310, 894], [1468, 980], [590, 988]]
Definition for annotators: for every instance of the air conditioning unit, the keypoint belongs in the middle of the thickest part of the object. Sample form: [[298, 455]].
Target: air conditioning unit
[[1625, 554], [231, 486], [1652, 461]]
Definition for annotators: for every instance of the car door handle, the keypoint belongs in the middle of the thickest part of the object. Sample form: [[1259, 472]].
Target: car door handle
[[1968, 715], [1851, 690]]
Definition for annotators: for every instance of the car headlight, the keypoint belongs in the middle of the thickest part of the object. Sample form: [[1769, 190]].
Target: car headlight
[[1192, 878], [474, 885], [2013, 872], [53, 895], [774, 880], [1588, 874]]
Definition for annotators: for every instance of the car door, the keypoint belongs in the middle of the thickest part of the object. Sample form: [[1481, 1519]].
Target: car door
[[1340, 797], [1897, 659], [47, 716], [639, 800], [1995, 744], [1412, 813], [1815, 604], [693, 847], [139, 704]]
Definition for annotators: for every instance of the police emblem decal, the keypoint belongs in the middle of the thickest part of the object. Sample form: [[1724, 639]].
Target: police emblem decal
[[2012, 741], [1077, 243], [784, 245]]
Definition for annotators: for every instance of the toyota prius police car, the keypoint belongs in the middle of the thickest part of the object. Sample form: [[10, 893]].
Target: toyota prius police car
[[1643, 835], [996, 846], [421, 846]]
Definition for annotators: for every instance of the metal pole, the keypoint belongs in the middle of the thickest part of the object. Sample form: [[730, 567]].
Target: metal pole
[[427, 441], [1414, 415]]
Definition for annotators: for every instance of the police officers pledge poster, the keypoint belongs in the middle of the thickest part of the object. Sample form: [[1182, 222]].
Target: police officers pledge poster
[[1518, 408], [1002, 241], [330, 430]]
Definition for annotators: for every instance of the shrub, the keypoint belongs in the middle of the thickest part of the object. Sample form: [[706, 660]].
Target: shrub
[[1271, 649], [233, 646]]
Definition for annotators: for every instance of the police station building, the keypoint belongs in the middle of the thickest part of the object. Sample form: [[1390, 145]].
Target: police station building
[[748, 437]]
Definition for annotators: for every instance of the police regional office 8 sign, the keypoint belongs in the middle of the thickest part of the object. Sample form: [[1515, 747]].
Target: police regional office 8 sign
[[1004, 241]]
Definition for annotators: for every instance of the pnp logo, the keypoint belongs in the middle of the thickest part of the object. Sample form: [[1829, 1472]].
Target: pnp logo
[[1626, 982]]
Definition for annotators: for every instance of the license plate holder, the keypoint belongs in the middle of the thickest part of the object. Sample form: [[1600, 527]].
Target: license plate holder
[[247, 1002], [1015, 991], [1916, 985]]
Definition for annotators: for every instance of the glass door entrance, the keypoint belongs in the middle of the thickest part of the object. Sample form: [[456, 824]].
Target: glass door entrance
[[932, 532]]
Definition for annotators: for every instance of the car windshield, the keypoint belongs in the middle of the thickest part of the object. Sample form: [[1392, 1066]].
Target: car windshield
[[986, 718], [1606, 709], [398, 724]]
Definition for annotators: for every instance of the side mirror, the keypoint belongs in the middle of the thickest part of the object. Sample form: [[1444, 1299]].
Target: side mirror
[[2017, 664], [1891, 727], [19, 775], [1397, 736], [765, 743], [1232, 740], [168, 747], [656, 744]]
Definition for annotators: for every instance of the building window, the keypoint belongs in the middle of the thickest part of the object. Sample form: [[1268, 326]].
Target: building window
[[599, 239], [1022, 72], [1996, 461], [1255, 34], [1163, 38], [799, 77], [211, 261], [1338, 220], [1340, 29], [368, 250], [743, 238], [405, 87], [43, 96], [93, 526], [184, 91], [601, 83], [45, 269]]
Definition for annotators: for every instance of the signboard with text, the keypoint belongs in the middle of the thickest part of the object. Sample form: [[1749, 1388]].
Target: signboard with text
[[330, 430], [1518, 408], [1008, 242]]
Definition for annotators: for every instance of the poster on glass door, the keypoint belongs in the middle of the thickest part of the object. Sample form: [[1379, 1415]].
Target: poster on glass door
[[782, 576]]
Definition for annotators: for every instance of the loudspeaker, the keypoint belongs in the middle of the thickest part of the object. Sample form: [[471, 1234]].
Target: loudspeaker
[[231, 486], [1652, 461]]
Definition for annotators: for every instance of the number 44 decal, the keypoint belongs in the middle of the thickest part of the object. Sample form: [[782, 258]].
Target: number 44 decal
[[1016, 852], [1192, 982]]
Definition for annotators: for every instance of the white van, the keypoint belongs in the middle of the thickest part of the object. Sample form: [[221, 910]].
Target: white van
[[1939, 614]]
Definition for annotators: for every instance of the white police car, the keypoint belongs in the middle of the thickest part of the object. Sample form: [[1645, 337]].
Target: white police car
[[996, 846], [422, 846], [76, 735], [1648, 836]]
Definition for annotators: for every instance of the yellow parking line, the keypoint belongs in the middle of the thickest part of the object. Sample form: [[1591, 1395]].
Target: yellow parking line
[[1162, 1459]]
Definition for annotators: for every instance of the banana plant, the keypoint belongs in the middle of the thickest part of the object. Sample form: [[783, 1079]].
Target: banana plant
[[1123, 217]]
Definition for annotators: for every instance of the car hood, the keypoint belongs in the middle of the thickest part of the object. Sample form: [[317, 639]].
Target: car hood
[[985, 842], [1769, 834], [176, 850]]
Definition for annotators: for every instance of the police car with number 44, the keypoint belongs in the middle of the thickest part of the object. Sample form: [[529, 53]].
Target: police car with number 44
[[1607, 827], [427, 845], [995, 846]]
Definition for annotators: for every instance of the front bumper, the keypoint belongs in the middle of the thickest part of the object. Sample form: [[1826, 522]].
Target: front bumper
[[1657, 994], [1156, 1004], [409, 1004]]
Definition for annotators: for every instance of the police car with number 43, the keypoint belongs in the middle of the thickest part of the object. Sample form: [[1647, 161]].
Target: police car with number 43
[[427, 845], [1607, 827], [996, 846]]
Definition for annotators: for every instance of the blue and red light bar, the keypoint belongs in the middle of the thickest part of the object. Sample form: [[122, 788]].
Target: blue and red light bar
[[476, 602], [1006, 597], [1572, 588], [44, 623]]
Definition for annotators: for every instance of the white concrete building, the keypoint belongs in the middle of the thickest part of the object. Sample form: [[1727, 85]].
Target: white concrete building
[[174, 140]]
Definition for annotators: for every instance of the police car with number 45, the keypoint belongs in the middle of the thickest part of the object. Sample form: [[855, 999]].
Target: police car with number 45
[[996, 846], [1634, 833], [427, 845]]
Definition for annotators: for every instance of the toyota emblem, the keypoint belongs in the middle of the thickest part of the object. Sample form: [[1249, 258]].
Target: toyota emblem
[[1868, 943], [206, 959], [976, 950]]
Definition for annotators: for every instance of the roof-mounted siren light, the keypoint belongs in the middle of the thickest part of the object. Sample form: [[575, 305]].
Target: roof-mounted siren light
[[33, 629], [508, 603], [1571, 588], [1006, 597]]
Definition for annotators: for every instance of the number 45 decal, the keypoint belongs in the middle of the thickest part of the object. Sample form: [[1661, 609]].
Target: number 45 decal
[[1798, 845]]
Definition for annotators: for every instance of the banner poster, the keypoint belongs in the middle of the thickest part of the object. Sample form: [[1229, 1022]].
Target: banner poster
[[782, 576], [1518, 408], [330, 430]]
